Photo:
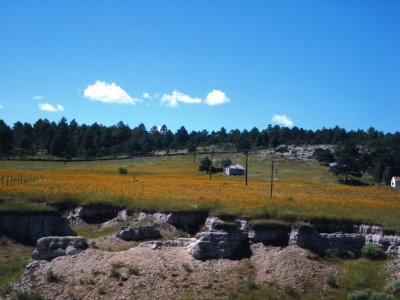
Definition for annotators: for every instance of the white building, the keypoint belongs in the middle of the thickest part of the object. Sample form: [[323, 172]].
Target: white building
[[395, 183], [233, 170]]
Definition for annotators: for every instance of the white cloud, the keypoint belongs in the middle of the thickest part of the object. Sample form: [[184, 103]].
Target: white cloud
[[176, 97], [38, 97], [147, 96], [216, 97], [282, 120], [51, 108], [108, 93]]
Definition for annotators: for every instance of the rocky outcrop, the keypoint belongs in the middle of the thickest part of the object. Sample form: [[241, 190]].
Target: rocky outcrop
[[189, 221], [226, 240], [122, 216], [307, 237], [137, 233], [28, 227], [51, 247], [94, 213], [181, 242]]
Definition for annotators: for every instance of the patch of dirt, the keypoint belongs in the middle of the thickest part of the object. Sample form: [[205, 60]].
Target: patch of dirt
[[144, 273]]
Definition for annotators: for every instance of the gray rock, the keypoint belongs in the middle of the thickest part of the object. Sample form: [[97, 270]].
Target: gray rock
[[137, 233], [211, 222], [121, 217], [181, 242], [219, 243], [50, 247]]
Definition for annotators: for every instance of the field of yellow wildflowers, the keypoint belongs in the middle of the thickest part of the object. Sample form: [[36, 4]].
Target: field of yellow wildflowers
[[301, 189]]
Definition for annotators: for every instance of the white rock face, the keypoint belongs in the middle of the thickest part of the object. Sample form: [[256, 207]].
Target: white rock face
[[51, 247]]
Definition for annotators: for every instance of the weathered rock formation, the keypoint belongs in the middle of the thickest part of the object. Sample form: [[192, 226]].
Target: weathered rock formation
[[51, 247], [28, 227], [189, 221], [181, 242], [122, 216], [226, 240], [137, 233]]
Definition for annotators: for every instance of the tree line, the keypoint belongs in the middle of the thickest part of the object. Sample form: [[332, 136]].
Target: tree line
[[64, 139]]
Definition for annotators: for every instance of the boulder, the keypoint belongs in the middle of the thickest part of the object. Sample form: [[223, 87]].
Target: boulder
[[225, 241], [50, 247], [137, 233]]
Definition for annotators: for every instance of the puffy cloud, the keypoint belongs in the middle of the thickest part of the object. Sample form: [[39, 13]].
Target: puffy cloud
[[216, 97], [38, 97], [176, 97], [282, 120], [50, 108], [147, 96], [108, 93]]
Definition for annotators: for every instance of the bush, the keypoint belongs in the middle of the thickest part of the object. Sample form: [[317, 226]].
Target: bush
[[372, 251], [27, 295], [395, 287], [51, 277], [360, 295], [122, 170], [369, 294]]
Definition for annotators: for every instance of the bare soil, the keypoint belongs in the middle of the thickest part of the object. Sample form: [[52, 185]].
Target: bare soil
[[171, 273]]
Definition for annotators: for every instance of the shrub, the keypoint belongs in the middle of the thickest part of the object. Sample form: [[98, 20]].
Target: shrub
[[372, 251], [51, 277], [122, 170], [395, 287], [133, 270], [360, 295], [331, 281], [27, 295], [186, 267], [101, 290], [369, 294]]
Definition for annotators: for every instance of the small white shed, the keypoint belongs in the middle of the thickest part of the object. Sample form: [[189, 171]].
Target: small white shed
[[233, 170], [395, 182]]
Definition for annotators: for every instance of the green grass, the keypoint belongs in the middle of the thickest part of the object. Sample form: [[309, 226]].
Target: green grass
[[13, 258], [296, 203], [360, 274]]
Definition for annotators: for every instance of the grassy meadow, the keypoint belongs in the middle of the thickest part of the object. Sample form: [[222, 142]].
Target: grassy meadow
[[301, 189]]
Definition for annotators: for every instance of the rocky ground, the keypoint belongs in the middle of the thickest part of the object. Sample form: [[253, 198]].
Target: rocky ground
[[172, 273]]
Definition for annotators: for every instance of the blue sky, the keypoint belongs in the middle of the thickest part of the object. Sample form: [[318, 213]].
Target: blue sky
[[202, 64]]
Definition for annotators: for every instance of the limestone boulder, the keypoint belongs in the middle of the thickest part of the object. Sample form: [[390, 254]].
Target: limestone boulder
[[51, 247]]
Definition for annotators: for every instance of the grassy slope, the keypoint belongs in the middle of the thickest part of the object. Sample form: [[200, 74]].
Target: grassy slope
[[301, 189]]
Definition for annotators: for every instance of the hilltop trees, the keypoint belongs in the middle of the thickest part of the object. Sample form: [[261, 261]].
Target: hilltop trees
[[357, 152]]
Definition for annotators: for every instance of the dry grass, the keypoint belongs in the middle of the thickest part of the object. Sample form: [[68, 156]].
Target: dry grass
[[301, 189]]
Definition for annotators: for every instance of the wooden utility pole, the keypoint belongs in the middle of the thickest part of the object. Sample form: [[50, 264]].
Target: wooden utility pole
[[247, 155], [194, 157], [272, 177], [210, 168]]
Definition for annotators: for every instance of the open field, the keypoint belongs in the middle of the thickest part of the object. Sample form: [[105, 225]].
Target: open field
[[301, 189]]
